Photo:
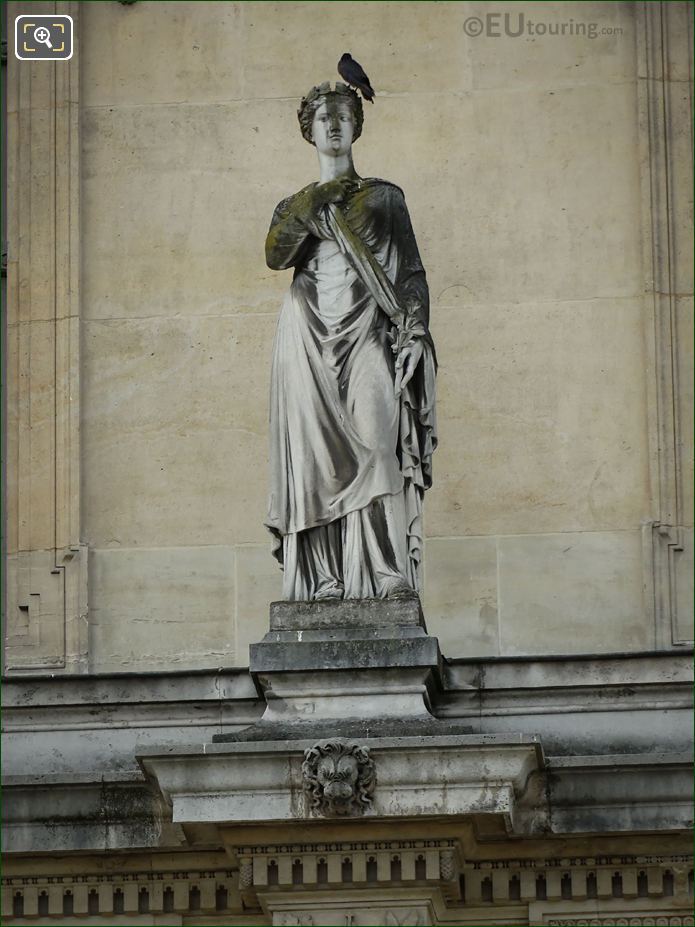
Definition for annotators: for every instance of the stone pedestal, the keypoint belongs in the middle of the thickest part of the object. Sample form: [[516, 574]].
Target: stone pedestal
[[354, 661], [347, 731], [345, 767]]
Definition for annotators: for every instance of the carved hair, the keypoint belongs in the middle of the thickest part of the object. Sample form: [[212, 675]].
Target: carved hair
[[311, 102], [364, 784]]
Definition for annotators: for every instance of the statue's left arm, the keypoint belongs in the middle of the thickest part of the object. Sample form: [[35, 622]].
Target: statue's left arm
[[412, 291], [410, 283], [415, 374]]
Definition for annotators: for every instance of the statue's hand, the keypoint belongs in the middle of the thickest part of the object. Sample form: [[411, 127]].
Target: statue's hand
[[333, 191], [406, 362]]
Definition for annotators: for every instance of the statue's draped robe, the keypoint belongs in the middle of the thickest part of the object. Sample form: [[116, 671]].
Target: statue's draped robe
[[349, 460]]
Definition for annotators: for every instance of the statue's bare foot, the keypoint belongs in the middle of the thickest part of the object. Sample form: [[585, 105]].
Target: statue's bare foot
[[332, 592], [399, 589]]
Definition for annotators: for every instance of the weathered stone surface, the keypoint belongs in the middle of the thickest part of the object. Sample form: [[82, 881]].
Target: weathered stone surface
[[433, 775], [155, 440], [460, 594], [573, 703], [162, 608], [591, 582], [323, 639], [342, 653], [572, 467], [46, 600], [306, 728], [65, 726], [85, 813], [538, 363], [258, 581], [588, 793], [336, 665], [635, 709], [416, 776], [91, 725], [350, 613]]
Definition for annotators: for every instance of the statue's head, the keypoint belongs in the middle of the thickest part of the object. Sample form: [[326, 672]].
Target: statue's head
[[326, 112]]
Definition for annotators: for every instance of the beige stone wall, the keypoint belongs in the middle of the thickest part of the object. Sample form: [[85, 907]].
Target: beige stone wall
[[524, 163]]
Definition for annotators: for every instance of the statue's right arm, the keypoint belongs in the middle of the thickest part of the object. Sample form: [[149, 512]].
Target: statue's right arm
[[290, 230]]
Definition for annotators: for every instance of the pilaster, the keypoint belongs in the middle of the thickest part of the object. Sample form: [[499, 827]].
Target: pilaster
[[46, 626], [665, 117]]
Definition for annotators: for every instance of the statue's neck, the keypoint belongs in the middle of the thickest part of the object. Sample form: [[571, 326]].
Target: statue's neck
[[330, 168]]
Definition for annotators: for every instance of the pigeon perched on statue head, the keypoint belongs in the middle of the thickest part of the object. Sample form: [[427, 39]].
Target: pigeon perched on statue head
[[352, 73]]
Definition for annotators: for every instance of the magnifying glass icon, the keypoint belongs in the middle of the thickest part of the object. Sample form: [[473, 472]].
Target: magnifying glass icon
[[42, 35]]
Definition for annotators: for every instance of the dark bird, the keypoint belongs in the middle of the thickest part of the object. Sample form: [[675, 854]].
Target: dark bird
[[353, 74]]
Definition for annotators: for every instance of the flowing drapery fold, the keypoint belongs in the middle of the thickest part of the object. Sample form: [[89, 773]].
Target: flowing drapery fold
[[339, 437]]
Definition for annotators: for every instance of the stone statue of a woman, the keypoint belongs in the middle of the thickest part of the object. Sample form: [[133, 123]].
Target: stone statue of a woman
[[352, 410]]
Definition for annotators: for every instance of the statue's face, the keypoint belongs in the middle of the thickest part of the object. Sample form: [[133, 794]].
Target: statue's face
[[333, 127]]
